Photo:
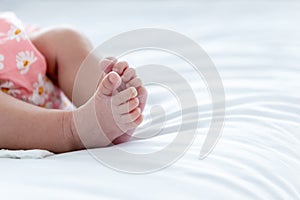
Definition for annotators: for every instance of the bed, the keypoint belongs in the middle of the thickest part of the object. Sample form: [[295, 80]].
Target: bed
[[255, 47]]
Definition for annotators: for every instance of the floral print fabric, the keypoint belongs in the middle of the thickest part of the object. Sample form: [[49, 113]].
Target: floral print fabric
[[23, 67]]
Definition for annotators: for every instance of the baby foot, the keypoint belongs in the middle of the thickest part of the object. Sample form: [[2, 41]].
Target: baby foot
[[128, 75], [130, 79], [115, 113]]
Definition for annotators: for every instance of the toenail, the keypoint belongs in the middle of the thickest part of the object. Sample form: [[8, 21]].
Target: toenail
[[113, 77], [133, 91], [136, 100]]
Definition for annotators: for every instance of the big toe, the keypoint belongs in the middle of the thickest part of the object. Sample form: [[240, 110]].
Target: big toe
[[109, 84]]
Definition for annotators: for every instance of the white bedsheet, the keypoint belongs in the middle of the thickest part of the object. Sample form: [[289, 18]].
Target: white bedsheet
[[255, 47]]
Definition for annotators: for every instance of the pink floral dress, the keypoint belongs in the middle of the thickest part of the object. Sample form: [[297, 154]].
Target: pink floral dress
[[23, 67]]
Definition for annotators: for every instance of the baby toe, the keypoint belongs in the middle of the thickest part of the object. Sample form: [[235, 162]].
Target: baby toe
[[128, 75], [136, 82], [128, 106], [109, 84], [107, 64], [124, 96], [135, 123], [120, 67], [131, 117]]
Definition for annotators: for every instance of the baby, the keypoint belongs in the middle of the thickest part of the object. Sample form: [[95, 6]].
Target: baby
[[37, 76]]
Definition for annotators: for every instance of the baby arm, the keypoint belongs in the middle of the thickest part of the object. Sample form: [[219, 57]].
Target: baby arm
[[25, 126]]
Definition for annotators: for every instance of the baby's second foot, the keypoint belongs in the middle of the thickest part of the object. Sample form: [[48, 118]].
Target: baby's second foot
[[108, 114]]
